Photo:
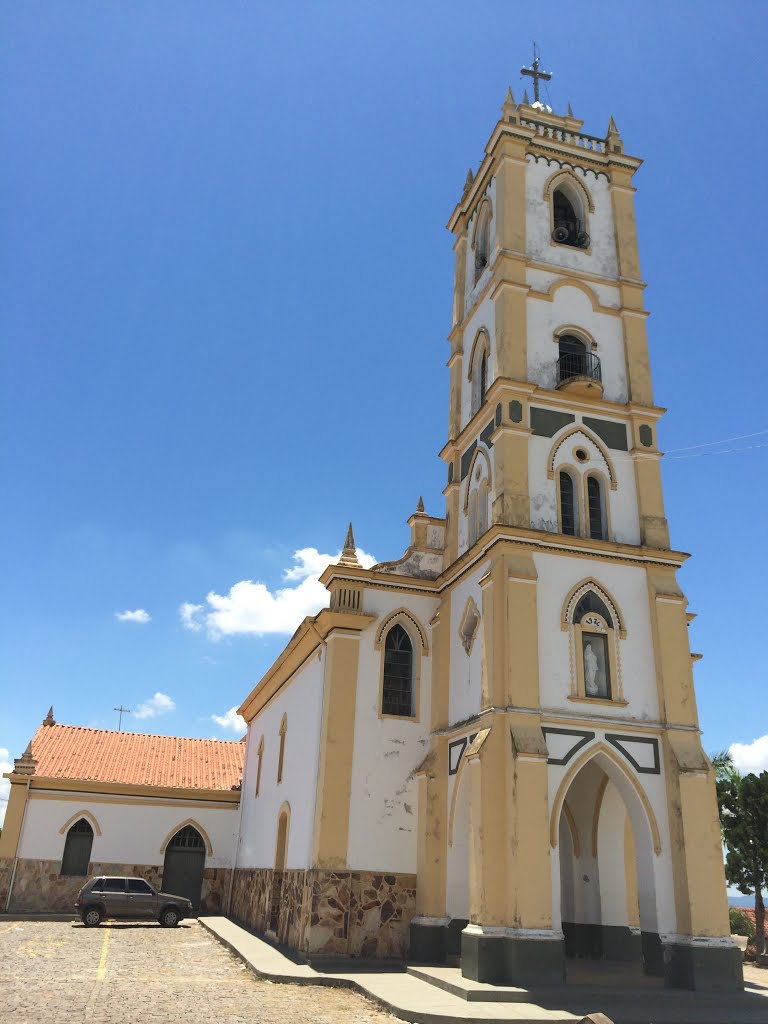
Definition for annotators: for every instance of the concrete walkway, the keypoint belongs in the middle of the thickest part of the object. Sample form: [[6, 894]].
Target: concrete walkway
[[440, 995]]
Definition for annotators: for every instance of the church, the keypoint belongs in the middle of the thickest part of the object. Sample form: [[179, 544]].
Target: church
[[487, 750], [489, 747]]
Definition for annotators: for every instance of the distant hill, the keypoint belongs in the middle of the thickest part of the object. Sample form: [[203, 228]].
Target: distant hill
[[741, 901]]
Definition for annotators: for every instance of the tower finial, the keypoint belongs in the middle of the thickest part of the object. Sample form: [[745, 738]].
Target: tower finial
[[509, 102], [569, 112], [49, 719], [468, 181], [613, 137], [526, 101], [348, 552], [26, 764], [534, 73], [420, 505]]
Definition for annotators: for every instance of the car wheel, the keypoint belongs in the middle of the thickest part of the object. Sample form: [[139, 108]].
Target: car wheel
[[92, 917], [169, 917]]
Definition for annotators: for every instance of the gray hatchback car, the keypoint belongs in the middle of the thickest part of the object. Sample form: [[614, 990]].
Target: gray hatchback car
[[116, 897]]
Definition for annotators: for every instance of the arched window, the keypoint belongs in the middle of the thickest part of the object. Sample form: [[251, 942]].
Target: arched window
[[595, 630], [483, 377], [573, 358], [569, 516], [397, 687], [77, 849], [281, 756], [482, 239], [568, 220], [595, 508], [590, 602], [479, 371]]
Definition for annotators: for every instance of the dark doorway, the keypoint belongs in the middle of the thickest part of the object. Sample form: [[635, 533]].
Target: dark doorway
[[184, 865]]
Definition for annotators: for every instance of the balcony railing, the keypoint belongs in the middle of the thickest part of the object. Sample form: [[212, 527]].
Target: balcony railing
[[582, 365]]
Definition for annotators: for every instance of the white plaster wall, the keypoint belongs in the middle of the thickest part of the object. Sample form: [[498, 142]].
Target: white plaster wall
[[623, 518], [627, 585], [131, 833], [541, 280], [466, 670], [601, 258], [302, 702], [471, 288], [383, 817], [610, 855], [570, 307], [483, 316]]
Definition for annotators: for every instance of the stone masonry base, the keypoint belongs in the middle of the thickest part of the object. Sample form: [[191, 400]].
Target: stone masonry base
[[39, 888], [328, 913]]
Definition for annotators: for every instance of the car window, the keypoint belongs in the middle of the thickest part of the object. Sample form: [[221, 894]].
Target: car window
[[113, 885], [96, 885], [139, 885]]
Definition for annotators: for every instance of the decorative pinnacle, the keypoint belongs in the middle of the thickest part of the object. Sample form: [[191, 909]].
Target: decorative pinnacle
[[420, 505], [468, 181], [349, 553], [26, 764], [526, 101], [509, 101], [49, 719], [612, 129], [569, 112]]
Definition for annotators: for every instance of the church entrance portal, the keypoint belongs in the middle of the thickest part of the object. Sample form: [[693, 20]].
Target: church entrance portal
[[184, 865], [605, 848]]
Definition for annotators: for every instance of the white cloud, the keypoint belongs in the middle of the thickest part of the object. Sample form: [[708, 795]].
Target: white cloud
[[5, 786], [159, 704], [251, 607], [751, 757], [137, 616], [188, 613], [231, 720]]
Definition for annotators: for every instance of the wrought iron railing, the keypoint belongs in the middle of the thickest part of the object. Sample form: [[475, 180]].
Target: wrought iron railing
[[578, 364]]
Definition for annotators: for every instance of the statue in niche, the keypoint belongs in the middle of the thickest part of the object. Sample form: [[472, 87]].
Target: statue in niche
[[596, 672]]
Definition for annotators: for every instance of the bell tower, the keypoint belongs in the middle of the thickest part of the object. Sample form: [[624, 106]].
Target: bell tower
[[566, 778]]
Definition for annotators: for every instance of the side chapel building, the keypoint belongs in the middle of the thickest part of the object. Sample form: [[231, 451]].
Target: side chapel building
[[490, 746]]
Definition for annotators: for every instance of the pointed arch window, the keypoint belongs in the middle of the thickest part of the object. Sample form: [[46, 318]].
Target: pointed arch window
[[77, 849], [596, 634], [479, 371], [281, 756], [482, 239], [397, 685], [596, 508], [569, 513]]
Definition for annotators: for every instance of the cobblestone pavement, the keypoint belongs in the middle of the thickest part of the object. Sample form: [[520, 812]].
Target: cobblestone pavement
[[58, 972]]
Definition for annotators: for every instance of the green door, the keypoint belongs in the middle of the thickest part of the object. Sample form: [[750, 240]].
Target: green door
[[184, 864]]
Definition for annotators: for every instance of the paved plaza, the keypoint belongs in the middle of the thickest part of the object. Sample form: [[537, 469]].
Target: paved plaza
[[128, 972]]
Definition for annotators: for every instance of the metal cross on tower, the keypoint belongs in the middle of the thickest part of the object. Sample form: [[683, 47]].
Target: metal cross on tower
[[534, 73]]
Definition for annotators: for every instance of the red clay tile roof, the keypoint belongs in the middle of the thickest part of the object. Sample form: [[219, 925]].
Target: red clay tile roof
[[71, 752]]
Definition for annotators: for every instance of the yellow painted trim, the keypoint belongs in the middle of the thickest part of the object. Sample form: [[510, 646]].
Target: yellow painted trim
[[576, 331], [76, 817], [398, 615], [578, 764], [281, 855], [577, 592], [470, 608], [482, 337], [118, 801], [260, 754], [195, 825], [570, 433], [281, 755], [596, 815], [14, 815], [553, 183], [79, 787]]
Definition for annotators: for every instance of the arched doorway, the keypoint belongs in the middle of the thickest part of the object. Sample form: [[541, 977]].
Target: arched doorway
[[606, 844], [184, 865]]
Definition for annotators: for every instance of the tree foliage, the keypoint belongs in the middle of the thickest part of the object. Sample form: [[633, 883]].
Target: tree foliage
[[743, 802]]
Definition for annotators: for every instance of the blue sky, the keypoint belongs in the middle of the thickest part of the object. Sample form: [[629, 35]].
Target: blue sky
[[226, 286]]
